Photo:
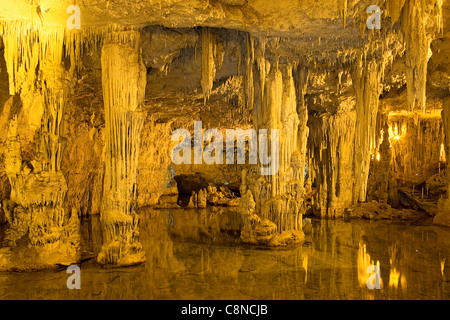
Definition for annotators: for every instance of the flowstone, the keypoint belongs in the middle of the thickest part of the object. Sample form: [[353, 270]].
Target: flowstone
[[124, 81]]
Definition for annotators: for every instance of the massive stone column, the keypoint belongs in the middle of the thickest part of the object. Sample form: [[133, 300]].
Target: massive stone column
[[381, 168], [272, 199], [331, 148], [124, 81], [41, 232], [443, 214]]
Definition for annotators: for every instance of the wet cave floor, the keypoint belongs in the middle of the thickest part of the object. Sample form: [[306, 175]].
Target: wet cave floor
[[196, 254]]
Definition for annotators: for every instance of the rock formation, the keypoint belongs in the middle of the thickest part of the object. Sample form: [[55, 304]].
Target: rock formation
[[41, 228], [123, 80], [344, 114]]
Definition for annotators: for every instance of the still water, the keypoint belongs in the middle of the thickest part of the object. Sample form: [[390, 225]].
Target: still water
[[196, 254]]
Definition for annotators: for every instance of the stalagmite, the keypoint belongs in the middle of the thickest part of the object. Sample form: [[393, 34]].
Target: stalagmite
[[123, 81], [192, 200], [201, 198]]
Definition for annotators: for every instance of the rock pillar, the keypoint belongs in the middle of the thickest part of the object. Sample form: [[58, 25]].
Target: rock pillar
[[123, 81]]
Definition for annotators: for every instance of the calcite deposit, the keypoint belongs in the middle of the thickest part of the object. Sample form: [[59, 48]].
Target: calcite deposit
[[350, 120]]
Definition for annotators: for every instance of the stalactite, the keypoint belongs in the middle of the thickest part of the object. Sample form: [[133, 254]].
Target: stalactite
[[415, 146], [443, 216], [248, 72], [331, 147], [342, 144], [439, 16], [301, 77], [394, 9], [21, 41], [28, 45], [417, 37], [123, 81]]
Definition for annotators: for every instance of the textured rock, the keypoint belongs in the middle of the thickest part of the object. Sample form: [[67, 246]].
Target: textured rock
[[169, 198], [443, 216], [278, 194], [39, 227], [123, 79], [360, 108], [332, 156]]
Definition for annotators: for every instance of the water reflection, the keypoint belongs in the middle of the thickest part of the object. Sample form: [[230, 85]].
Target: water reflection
[[196, 254]]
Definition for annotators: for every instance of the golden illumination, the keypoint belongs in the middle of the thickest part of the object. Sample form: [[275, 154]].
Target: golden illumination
[[403, 282], [364, 261], [442, 156], [394, 277], [95, 96], [394, 133], [305, 266]]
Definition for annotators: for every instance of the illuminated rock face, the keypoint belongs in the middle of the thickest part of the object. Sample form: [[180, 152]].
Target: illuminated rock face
[[331, 165], [342, 142], [123, 81], [366, 80], [443, 216], [36, 211]]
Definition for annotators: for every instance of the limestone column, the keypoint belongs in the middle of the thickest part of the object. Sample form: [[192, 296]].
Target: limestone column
[[123, 81], [443, 213], [35, 211]]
